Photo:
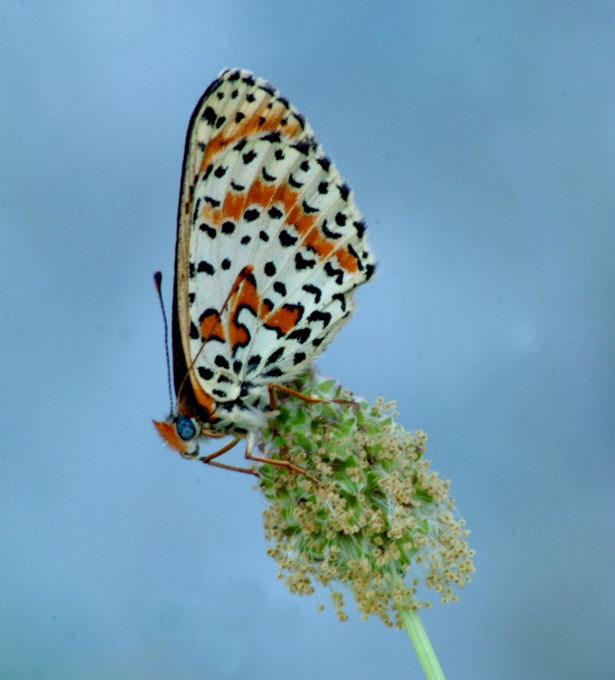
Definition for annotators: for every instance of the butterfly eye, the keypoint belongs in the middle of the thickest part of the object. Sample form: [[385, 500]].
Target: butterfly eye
[[185, 429]]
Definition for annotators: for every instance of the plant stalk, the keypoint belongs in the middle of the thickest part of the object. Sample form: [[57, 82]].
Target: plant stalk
[[422, 646]]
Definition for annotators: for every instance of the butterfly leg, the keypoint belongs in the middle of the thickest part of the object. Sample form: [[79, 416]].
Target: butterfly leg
[[209, 460], [271, 461], [304, 397]]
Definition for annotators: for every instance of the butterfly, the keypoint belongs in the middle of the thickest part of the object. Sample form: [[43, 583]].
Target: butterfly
[[270, 247]]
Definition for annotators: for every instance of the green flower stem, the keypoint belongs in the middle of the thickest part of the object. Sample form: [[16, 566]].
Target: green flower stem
[[421, 644]]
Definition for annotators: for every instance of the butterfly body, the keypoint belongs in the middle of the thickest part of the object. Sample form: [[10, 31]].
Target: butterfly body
[[269, 250]]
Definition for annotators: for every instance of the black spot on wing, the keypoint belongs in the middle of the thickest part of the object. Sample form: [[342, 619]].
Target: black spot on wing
[[239, 116], [206, 268], [280, 288], [237, 187], [328, 233], [300, 335], [205, 373], [220, 171], [302, 147], [344, 191], [195, 213], [272, 137], [325, 317], [287, 240], [274, 356], [308, 208], [293, 182], [212, 201], [342, 300], [268, 177], [335, 273], [298, 358], [253, 362], [228, 227], [221, 361], [275, 213], [210, 231], [303, 263], [249, 156], [251, 215], [314, 290], [353, 252], [209, 116], [360, 227]]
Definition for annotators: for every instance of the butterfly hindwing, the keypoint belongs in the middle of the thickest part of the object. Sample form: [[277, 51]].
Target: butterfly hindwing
[[260, 198]]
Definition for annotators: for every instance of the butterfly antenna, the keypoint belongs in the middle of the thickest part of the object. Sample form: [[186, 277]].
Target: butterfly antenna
[[158, 284], [243, 274]]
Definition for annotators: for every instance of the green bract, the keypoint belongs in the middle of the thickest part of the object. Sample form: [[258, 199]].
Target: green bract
[[375, 510]]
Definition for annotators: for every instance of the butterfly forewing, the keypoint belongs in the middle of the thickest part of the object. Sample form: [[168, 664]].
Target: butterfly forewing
[[259, 193]]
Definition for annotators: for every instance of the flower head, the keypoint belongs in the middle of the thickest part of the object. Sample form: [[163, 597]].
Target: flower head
[[366, 511]]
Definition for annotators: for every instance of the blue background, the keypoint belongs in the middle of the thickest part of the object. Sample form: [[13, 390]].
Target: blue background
[[479, 138]]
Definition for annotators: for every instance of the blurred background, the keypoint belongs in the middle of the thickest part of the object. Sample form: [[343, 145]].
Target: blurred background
[[479, 138]]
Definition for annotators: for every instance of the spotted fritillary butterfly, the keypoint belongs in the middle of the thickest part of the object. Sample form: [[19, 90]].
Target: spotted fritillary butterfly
[[270, 247]]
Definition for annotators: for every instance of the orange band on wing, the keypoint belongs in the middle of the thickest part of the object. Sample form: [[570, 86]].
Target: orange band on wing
[[211, 328], [260, 194], [245, 297], [313, 239], [286, 196], [283, 319], [211, 215], [277, 119], [346, 260], [233, 205]]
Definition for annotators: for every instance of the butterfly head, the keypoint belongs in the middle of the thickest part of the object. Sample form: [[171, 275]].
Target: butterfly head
[[181, 434]]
